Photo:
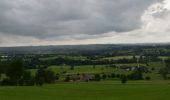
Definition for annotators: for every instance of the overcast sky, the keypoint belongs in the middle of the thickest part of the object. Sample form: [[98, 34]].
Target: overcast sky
[[58, 22]]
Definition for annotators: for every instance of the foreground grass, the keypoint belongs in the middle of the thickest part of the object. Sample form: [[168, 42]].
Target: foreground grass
[[138, 90]]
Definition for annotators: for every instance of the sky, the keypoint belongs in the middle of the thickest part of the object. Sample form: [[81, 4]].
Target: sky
[[71, 22]]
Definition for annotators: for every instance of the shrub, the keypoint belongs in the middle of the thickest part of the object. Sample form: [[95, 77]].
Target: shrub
[[97, 77], [147, 78], [104, 76], [67, 78], [113, 75], [123, 79]]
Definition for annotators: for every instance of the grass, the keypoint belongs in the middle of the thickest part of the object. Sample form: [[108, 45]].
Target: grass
[[110, 90], [65, 57], [102, 69], [81, 69], [119, 57], [164, 57], [90, 69], [130, 57]]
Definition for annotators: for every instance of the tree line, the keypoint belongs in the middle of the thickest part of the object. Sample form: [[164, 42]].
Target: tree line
[[14, 74]]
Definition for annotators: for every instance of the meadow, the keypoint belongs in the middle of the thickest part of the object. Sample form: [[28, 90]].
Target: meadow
[[104, 90], [89, 69]]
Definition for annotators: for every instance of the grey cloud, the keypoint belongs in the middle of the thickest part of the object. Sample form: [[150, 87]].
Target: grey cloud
[[53, 19]]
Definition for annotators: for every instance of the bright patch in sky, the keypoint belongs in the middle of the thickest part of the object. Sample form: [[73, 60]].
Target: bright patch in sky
[[167, 4]]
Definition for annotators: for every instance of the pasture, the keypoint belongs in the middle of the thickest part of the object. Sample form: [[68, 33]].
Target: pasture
[[105, 90], [89, 69]]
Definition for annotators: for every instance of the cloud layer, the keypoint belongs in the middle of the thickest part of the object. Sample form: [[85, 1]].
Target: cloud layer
[[49, 22]]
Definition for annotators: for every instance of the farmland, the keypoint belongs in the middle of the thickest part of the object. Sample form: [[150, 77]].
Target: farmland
[[121, 73]]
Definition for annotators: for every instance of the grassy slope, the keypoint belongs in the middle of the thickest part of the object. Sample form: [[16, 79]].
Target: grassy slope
[[90, 91], [102, 69], [89, 69]]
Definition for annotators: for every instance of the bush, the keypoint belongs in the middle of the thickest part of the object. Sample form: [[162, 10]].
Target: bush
[[40, 81], [21, 82], [6, 82], [117, 75], [147, 78], [28, 79], [50, 76], [104, 76], [123, 79], [113, 75], [109, 76], [97, 77], [40, 77], [57, 77], [67, 78], [72, 67], [136, 75]]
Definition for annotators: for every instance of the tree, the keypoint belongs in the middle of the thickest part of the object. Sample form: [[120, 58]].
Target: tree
[[134, 58], [15, 71], [165, 71], [50, 76], [94, 66], [40, 77], [97, 77], [67, 78], [137, 74], [123, 79], [72, 67], [57, 76], [147, 78], [104, 76], [28, 79], [117, 75], [1, 70], [113, 75]]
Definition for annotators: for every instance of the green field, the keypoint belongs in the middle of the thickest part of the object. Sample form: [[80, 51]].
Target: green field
[[109, 90], [107, 70], [90, 69], [120, 57]]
